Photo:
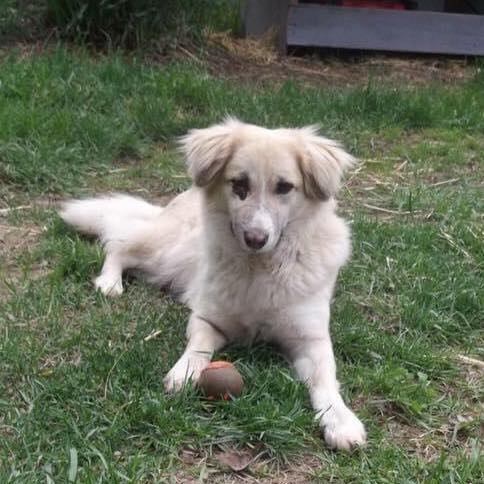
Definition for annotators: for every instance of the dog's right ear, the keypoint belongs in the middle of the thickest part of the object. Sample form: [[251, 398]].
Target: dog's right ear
[[322, 162], [208, 150]]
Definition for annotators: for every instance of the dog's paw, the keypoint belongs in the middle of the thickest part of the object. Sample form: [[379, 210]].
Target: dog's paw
[[343, 430], [185, 370], [108, 285]]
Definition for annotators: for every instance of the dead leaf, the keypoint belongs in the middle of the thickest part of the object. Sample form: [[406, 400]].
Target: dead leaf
[[237, 461], [188, 456]]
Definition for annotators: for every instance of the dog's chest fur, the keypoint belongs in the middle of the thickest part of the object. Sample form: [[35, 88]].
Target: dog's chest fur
[[248, 295]]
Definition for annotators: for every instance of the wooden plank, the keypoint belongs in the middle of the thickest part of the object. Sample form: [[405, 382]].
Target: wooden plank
[[432, 5], [387, 30]]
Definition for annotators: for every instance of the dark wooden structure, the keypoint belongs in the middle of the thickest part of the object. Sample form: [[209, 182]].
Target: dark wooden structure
[[301, 24]]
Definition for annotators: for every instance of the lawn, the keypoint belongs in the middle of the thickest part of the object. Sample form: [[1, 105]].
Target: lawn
[[81, 394]]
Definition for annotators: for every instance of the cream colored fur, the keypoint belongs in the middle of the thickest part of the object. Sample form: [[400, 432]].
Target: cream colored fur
[[202, 246]]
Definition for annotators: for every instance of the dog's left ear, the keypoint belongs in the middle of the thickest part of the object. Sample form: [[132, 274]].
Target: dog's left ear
[[208, 150], [322, 162]]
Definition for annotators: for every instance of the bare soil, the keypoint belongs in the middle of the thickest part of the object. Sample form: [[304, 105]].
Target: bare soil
[[255, 62]]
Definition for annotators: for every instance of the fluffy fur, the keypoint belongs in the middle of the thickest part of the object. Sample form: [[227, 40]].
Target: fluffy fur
[[254, 249]]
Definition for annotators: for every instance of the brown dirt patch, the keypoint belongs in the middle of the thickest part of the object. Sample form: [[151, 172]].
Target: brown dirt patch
[[209, 469], [254, 62], [15, 240], [417, 440]]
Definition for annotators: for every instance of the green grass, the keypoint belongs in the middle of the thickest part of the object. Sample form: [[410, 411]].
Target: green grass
[[66, 114], [125, 23], [81, 392], [155, 25]]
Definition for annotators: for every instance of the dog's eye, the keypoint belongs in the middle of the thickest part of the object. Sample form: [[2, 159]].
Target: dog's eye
[[240, 187], [283, 187]]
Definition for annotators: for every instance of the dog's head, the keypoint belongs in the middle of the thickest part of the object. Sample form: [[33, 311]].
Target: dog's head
[[263, 179]]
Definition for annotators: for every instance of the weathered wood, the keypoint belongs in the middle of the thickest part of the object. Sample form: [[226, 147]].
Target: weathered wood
[[432, 5], [387, 30], [263, 17]]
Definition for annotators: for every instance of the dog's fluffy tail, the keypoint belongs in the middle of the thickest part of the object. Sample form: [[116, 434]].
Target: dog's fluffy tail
[[107, 217]]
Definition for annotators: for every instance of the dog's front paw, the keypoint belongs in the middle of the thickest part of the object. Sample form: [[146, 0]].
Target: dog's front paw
[[108, 285], [343, 430], [185, 370]]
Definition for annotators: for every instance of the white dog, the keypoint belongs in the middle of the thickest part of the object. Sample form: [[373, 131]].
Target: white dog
[[254, 249]]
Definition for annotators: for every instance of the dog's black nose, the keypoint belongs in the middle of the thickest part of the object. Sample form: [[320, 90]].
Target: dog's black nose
[[255, 239]]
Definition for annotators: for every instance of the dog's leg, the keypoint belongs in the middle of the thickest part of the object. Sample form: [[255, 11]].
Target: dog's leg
[[110, 282], [203, 340], [314, 362]]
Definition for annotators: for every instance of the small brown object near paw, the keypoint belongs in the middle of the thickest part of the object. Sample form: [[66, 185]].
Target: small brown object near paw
[[221, 380]]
